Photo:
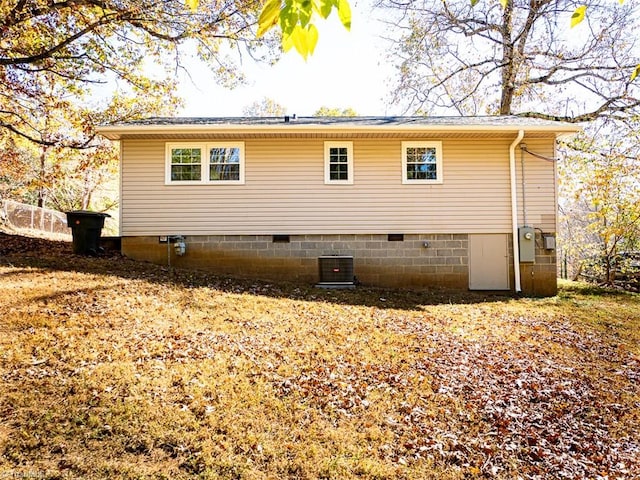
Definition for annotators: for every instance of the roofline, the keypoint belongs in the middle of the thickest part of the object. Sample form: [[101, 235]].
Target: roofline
[[116, 132]]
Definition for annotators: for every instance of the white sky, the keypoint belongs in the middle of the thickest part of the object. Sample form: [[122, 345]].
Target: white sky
[[347, 70]]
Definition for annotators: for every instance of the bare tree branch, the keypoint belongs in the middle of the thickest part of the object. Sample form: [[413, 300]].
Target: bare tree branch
[[537, 66]]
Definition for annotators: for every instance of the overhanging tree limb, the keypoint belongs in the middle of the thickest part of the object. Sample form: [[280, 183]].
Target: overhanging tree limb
[[537, 57], [80, 42]]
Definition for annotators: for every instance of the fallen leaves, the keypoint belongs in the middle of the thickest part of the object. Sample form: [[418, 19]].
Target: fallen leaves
[[182, 374]]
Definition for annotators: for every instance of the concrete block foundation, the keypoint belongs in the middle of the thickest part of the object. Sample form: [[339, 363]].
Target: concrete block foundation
[[415, 261]]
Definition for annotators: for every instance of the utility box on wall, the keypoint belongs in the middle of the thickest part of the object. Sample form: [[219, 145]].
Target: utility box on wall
[[549, 241], [527, 241]]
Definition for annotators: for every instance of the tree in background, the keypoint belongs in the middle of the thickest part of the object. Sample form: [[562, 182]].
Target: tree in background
[[82, 43], [16, 161], [521, 58], [68, 163], [294, 19], [600, 201], [83, 182], [60, 178], [335, 112], [267, 107], [56, 57]]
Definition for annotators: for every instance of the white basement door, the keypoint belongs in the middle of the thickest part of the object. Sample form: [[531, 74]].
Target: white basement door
[[488, 262]]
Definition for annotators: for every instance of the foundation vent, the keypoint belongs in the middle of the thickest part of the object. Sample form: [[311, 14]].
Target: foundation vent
[[336, 271]]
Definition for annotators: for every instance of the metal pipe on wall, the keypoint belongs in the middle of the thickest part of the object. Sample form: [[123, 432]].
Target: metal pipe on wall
[[514, 211]]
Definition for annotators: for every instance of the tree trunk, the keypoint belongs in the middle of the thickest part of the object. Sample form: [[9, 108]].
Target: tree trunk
[[42, 176], [508, 62]]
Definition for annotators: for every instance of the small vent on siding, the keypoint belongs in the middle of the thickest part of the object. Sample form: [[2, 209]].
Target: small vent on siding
[[336, 271]]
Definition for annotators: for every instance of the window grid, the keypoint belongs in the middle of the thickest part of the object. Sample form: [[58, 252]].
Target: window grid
[[205, 163], [186, 164], [422, 162], [338, 157], [338, 163], [224, 163]]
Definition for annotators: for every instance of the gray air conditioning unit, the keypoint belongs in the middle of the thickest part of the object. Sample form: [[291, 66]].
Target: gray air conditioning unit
[[336, 271]]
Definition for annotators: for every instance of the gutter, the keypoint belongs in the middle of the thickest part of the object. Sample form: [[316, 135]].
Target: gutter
[[514, 211]]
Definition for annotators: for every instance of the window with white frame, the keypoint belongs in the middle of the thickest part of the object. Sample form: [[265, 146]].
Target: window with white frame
[[422, 162], [338, 163], [224, 163], [214, 163], [186, 164]]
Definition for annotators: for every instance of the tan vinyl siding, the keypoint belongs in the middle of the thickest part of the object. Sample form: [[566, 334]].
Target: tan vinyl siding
[[285, 193], [540, 186]]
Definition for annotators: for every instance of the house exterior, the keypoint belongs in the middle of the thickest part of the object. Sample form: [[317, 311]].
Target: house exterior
[[418, 202]]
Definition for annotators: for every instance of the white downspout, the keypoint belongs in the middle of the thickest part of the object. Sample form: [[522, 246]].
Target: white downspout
[[514, 211], [120, 160]]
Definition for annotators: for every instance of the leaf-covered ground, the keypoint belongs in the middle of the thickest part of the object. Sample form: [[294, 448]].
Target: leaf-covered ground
[[117, 369]]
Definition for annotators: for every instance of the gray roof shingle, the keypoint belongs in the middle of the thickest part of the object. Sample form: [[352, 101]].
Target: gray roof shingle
[[488, 121]]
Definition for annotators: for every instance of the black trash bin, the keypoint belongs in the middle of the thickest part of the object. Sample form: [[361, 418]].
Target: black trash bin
[[86, 228]]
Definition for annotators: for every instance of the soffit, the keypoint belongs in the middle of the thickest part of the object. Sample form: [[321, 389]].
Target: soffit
[[326, 135], [335, 127]]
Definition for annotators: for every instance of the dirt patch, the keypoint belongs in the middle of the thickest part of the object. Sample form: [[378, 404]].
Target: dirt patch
[[11, 244]]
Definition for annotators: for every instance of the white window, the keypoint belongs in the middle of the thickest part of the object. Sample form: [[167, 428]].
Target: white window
[[225, 162], [186, 164], [422, 162], [213, 163], [338, 163]]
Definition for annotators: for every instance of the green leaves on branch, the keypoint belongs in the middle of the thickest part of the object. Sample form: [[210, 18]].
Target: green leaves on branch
[[268, 17], [303, 38], [294, 19], [578, 15]]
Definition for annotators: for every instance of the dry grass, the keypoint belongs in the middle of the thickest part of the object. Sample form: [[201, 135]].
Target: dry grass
[[122, 370]]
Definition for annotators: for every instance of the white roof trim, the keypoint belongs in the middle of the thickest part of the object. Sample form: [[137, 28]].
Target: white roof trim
[[118, 132]]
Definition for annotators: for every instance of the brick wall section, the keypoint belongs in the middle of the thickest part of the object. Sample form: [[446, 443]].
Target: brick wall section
[[541, 277], [377, 261]]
